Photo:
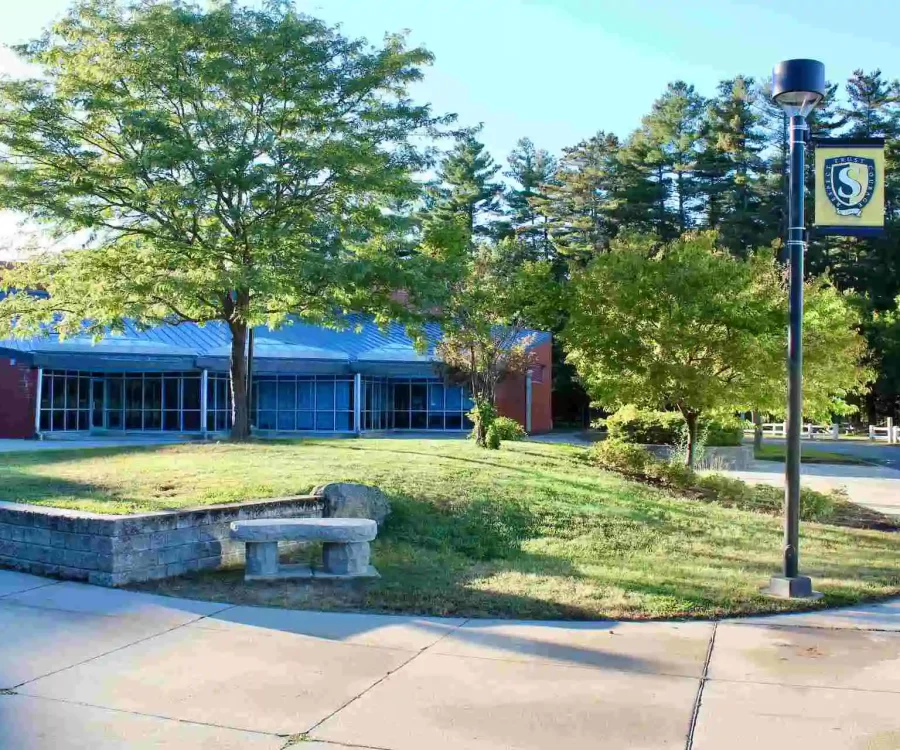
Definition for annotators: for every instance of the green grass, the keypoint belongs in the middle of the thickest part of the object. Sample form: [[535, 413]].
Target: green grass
[[531, 530], [807, 456]]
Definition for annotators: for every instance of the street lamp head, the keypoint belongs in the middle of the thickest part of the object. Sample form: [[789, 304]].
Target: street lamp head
[[798, 85]]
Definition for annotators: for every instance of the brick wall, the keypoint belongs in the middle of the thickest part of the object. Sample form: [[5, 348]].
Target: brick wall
[[115, 550], [18, 390], [511, 398]]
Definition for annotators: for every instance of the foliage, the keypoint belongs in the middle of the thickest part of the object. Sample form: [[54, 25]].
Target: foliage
[[508, 429], [690, 327], [482, 414], [724, 431], [233, 165], [632, 424]]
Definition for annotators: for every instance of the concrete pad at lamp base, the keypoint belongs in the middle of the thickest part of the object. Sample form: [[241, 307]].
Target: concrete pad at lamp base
[[798, 587]]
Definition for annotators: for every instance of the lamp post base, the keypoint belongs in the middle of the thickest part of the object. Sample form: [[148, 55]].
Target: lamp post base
[[800, 587]]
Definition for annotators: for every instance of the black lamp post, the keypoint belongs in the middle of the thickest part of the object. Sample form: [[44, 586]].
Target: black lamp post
[[798, 86]]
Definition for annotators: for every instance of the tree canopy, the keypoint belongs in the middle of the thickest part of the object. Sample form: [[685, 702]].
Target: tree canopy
[[233, 164]]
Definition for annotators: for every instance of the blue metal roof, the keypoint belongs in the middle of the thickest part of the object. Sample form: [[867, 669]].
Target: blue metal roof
[[295, 345]]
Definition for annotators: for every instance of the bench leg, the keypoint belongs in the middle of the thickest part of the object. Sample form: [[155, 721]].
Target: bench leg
[[346, 559], [262, 559]]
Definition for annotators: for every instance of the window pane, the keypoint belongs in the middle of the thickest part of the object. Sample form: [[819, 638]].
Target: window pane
[[435, 421], [344, 392], [419, 397], [219, 393], [191, 393], [171, 419], [401, 420], [435, 397], [71, 393], [83, 415], [287, 395], [153, 392], [171, 387], [324, 420], [286, 419], [454, 422], [211, 421], [306, 420], [71, 419], [305, 395], [134, 394], [221, 421], [84, 393], [419, 420], [325, 396], [46, 387], [59, 391], [344, 418], [467, 400], [114, 393], [401, 396], [467, 423], [45, 421], [267, 394], [59, 419], [114, 420], [133, 420], [192, 421], [152, 419], [454, 398]]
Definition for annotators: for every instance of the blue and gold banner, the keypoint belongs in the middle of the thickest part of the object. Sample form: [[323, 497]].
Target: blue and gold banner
[[849, 186]]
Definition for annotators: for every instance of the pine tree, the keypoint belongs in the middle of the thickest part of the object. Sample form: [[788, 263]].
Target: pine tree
[[465, 187], [532, 170]]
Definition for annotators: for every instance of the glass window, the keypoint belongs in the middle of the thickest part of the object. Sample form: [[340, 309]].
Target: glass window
[[435, 397], [305, 398], [266, 420], [287, 395], [171, 419], [324, 396], [191, 393], [453, 421], [454, 398], [401, 397], [419, 396], [267, 390], [436, 421], [418, 420], [401, 420], [306, 420], [343, 420], [171, 386], [324, 420], [287, 420], [344, 395]]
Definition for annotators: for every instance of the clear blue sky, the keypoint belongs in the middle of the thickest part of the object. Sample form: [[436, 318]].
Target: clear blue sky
[[559, 70]]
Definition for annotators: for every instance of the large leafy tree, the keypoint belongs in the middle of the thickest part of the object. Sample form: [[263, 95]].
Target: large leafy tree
[[531, 170], [232, 165], [695, 328]]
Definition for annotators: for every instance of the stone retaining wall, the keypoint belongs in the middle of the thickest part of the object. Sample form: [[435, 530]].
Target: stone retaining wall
[[714, 457], [115, 550]]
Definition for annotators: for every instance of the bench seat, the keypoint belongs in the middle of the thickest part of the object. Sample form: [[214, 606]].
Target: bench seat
[[345, 548]]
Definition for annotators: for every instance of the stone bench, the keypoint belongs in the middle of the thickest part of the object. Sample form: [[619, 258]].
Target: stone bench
[[345, 549]]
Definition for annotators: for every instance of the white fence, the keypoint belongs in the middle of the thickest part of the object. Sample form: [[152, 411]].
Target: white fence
[[888, 434]]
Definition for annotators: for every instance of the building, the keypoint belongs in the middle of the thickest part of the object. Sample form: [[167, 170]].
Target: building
[[305, 379]]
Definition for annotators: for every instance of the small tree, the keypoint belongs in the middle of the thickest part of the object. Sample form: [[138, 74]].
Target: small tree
[[235, 165], [484, 336], [690, 327]]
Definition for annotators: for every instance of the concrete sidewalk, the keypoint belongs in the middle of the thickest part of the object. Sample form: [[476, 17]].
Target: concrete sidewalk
[[85, 667], [876, 487]]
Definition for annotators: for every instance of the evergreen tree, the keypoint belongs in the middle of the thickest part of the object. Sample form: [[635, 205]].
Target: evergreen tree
[[532, 170], [465, 187]]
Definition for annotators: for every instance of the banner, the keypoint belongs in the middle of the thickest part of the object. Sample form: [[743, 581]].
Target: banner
[[849, 186]]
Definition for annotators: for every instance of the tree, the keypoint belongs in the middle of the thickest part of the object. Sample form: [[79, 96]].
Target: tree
[[532, 170], [465, 186], [234, 165], [697, 329], [484, 338]]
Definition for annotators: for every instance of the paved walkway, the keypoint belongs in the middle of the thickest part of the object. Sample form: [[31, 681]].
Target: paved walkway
[[85, 667], [876, 487]]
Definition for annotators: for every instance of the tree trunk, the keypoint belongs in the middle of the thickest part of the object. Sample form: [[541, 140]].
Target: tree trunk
[[480, 433], [690, 419], [757, 431], [240, 408]]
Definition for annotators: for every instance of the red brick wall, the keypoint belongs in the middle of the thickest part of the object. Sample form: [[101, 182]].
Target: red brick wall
[[18, 389], [511, 401]]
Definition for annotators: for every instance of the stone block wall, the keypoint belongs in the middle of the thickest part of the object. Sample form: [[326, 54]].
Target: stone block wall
[[115, 550]]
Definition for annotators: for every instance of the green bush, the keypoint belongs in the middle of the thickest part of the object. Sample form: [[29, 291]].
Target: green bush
[[631, 424], [508, 429], [724, 431], [492, 441], [649, 427], [620, 456]]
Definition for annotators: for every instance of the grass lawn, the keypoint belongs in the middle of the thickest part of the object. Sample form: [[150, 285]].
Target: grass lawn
[[531, 530], [807, 456]]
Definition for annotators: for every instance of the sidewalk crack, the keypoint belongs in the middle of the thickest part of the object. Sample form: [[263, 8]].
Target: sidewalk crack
[[704, 678]]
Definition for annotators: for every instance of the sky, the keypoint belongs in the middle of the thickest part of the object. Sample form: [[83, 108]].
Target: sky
[[558, 71]]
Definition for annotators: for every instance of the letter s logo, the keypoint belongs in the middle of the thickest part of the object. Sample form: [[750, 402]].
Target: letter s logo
[[846, 178]]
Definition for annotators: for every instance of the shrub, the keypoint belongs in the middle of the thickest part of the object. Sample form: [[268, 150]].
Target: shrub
[[631, 424], [492, 441], [508, 429], [725, 431], [620, 456]]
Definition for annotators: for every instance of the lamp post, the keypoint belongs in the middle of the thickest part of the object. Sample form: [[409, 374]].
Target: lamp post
[[797, 86]]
